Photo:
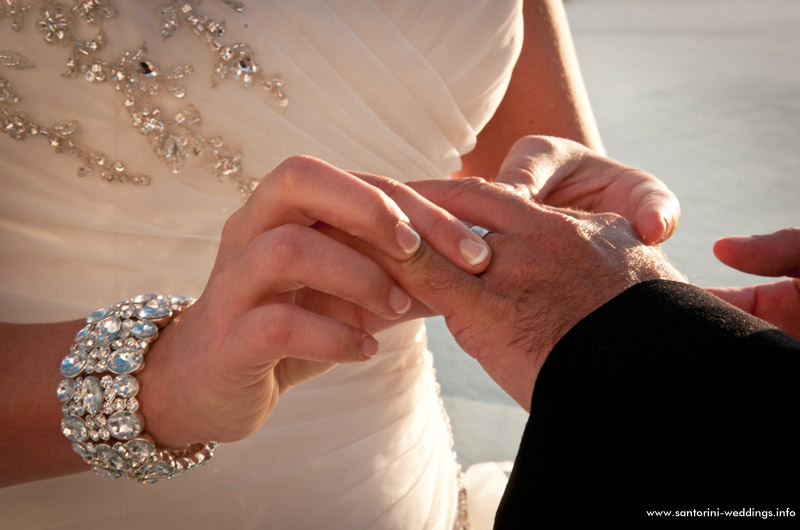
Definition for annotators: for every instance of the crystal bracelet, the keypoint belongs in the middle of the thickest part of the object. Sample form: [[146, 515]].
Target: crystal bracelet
[[98, 392]]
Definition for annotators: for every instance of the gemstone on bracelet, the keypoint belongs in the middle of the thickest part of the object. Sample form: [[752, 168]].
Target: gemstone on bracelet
[[180, 302], [100, 470], [154, 471], [125, 361], [154, 309], [76, 408], [142, 298], [126, 386], [98, 315], [66, 388], [73, 363], [109, 458], [140, 449], [74, 429], [83, 334], [81, 450], [93, 395], [107, 331], [143, 329], [124, 425]]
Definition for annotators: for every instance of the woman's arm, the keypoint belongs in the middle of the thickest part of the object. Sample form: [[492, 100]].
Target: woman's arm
[[546, 95], [288, 298], [31, 446]]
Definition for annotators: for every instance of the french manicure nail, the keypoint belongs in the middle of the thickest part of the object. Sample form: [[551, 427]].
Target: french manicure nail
[[473, 252], [408, 238], [369, 347], [399, 300]]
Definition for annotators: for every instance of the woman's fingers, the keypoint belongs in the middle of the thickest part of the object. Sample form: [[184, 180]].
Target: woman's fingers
[[449, 236], [291, 257], [304, 190], [271, 332], [775, 254]]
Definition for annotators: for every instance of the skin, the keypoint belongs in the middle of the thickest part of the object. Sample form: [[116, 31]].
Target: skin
[[250, 336], [775, 254], [550, 268], [268, 321]]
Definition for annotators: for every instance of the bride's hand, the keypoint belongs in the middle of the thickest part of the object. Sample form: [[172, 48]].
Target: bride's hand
[[285, 301], [563, 173]]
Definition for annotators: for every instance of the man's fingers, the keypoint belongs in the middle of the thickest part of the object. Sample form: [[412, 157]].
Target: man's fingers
[[435, 281], [776, 254], [475, 201]]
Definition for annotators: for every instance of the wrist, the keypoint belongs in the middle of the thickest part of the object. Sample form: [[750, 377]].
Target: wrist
[[100, 393]]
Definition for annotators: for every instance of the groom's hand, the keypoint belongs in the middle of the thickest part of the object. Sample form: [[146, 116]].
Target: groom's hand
[[550, 268]]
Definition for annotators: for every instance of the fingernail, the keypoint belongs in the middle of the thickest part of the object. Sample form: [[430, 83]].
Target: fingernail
[[408, 238], [473, 252], [399, 300], [369, 347]]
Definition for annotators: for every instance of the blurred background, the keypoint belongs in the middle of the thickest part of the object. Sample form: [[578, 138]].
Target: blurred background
[[705, 94]]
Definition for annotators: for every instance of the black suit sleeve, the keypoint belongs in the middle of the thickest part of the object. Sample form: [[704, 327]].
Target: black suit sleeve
[[666, 398]]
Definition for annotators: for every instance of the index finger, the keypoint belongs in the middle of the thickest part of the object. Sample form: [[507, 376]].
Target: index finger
[[304, 190], [440, 229]]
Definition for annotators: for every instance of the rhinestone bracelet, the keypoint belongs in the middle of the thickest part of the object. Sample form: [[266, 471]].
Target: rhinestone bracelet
[[98, 393]]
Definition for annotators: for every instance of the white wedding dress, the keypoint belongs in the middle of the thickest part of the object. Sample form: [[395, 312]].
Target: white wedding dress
[[399, 88]]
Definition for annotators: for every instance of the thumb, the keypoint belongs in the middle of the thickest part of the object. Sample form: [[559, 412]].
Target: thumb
[[776, 254], [657, 214], [533, 162]]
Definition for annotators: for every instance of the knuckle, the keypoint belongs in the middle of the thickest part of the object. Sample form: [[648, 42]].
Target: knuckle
[[391, 188], [284, 246], [277, 250], [233, 225], [278, 326], [293, 172], [467, 186]]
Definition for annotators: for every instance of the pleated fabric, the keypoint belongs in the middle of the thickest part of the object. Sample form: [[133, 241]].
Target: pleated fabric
[[388, 87]]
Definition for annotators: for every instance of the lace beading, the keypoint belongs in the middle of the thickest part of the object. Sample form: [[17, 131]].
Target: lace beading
[[174, 136]]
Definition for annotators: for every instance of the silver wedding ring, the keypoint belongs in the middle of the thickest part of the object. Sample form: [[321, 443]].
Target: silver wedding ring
[[480, 231]]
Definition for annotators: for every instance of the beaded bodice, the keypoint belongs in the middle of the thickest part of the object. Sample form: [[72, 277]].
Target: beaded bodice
[[174, 135], [391, 88]]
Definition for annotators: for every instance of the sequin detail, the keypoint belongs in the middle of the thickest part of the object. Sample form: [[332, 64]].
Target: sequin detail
[[147, 91]]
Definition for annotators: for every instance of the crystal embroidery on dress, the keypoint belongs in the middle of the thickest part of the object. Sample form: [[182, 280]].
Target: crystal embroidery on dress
[[174, 136]]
